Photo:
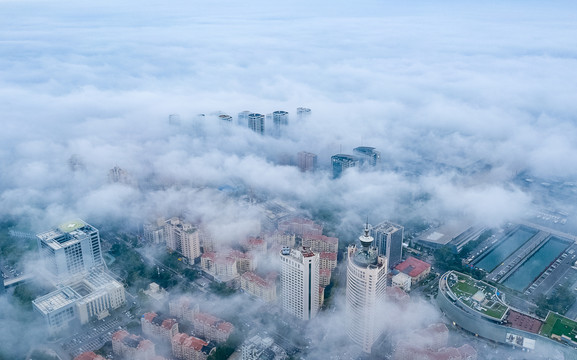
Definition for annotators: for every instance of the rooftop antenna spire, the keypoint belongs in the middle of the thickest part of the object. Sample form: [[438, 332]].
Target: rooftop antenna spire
[[367, 227]]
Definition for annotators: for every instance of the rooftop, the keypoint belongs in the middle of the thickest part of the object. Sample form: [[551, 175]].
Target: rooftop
[[56, 300], [413, 266]]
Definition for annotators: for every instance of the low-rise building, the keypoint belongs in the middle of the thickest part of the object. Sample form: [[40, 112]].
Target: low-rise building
[[211, 328], [324, 277], [415, 268], [262, 288], [132, 347], [191, 348], [159, 326], [279, 239], [258, 347], [328, 260], [300, 227], [402, 281]]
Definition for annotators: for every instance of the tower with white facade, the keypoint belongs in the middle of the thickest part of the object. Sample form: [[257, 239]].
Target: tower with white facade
[[70, 249], [366, 285], [300, 282]]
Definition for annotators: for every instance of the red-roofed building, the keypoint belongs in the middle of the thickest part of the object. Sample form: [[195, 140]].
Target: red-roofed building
[[415, 268], [211, 328], [191, 348], [320, 243], [398, 296], [132, 347], [89, 355], [254, 285], [256, 245], [160, 327]]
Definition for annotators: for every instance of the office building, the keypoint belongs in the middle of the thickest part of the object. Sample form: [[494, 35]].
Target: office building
[[72, 248], [341, 162], [365, 292], [389, 240], [306, 161], [300, 282], [80, 301], [367, 155], [256, 123]]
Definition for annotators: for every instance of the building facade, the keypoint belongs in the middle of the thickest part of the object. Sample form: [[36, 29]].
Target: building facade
[[341, 162], [365, 292], [300, 282], [132, 347], [367, 155], [70, 249], [389, 241], [191, 348], [256, 123], [159, 326], [306, 161]]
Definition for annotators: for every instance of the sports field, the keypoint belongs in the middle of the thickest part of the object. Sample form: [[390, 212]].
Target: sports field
[[559, 326]]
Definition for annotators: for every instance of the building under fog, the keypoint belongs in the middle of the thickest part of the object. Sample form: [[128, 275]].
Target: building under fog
[[256, 123], [300, 282], [341, 162], [306, 161], [367, 155], [70, 249], [303, 113], [389, 240], [81, 300], [365, 292]]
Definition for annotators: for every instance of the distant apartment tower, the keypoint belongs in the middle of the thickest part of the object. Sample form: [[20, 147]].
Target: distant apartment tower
[[307, 161], [71, 248], [303, 113], [225, 120], [389, 240], [242, 118], [341, 162], [366, 284], [367, 155], [280, 119], [300, 282], [256, 123]]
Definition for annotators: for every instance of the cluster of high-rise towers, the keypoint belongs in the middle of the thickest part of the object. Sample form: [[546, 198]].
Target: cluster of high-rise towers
[[367, 269]]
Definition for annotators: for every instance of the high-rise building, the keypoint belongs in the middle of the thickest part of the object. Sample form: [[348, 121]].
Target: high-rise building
[[367, 155], [256, 123], [307, 161], [303, 113], [225, 120], [341, 162], [71, 248], [182, 237], [366, 285], [242, 118], [300, 282], [279, 119], [389, 241]]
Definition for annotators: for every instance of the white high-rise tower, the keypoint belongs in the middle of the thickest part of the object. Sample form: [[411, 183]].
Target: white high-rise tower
[[366, 285], [300, 282]]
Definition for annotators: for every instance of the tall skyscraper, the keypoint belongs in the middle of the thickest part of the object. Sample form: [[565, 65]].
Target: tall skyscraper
[[306, 161], [300, 282], [367, 155], [242, 118], [389, 241], [279, 119], [71, 248], [366, 285], [256, 123], [341, 162], [182, 237]]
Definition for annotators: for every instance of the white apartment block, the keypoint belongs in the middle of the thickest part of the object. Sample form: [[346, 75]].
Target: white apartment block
[[300, 282]]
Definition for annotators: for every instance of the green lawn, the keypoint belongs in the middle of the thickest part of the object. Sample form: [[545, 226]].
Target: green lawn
[[558, 325], [466, 288]]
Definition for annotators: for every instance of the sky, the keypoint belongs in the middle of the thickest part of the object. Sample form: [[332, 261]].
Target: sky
[[434, 86]]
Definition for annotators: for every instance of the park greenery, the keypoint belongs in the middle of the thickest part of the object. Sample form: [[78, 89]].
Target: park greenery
[[561, 299]]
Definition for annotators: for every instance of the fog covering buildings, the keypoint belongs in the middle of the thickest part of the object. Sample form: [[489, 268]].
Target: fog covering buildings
[[471, 82]]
